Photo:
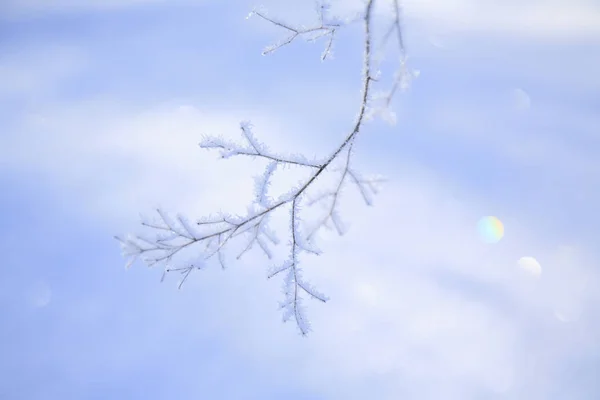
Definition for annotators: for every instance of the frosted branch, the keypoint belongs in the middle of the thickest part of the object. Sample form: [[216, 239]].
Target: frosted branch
[[208, 237], [322, 29], [253, 148]]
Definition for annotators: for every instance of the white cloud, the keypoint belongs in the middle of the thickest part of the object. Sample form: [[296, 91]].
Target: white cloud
[[24, 7], [537, 18], [125, 161], [419, 298]]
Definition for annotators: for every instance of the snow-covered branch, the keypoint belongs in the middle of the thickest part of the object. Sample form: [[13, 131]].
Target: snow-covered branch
[[324, 29], [209, 236], [253, 148]]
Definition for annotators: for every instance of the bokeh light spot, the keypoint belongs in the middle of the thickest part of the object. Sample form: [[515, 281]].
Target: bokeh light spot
[[530, 265], [490, 229]]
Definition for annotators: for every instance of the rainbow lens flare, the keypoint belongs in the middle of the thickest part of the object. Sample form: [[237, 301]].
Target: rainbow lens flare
[[491, 229]]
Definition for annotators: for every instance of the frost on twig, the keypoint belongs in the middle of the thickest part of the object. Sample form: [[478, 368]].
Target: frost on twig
[[207, 238], [323, 29]]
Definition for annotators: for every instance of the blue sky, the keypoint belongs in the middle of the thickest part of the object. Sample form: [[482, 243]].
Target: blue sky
[[103, 104]]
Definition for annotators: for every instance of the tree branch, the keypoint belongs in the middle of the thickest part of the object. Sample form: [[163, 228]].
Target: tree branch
[[175, 234]]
